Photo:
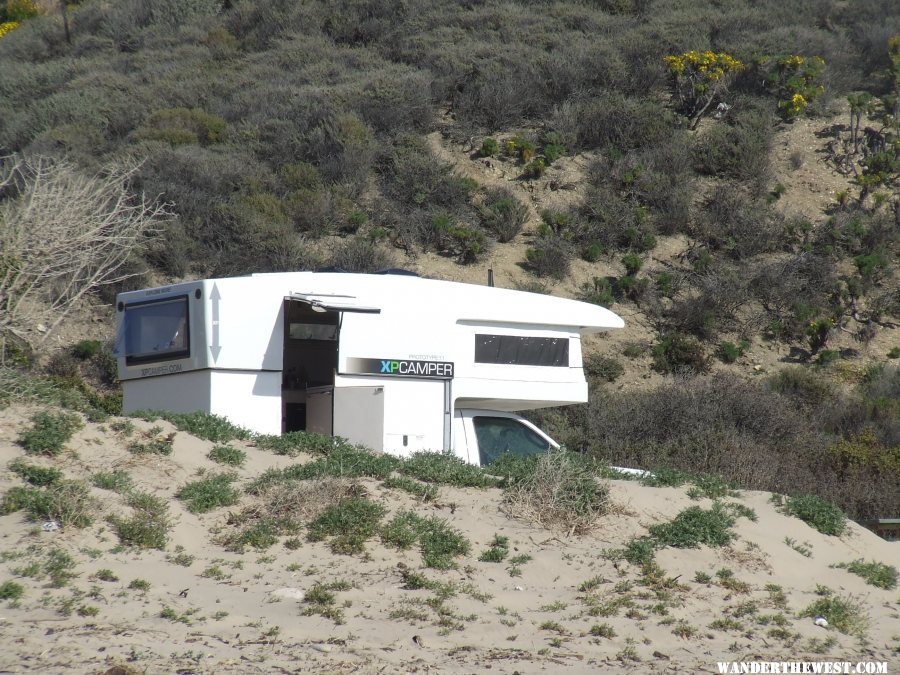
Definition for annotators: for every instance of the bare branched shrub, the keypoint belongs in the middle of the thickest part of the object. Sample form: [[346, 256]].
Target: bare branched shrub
[[560, 493], [63, 234]]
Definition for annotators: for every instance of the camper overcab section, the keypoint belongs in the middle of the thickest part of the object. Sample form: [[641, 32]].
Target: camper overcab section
[[395, 362]]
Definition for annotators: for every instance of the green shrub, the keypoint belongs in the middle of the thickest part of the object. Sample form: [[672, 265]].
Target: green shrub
[[209, 493], [677, 351], [40, 476], [535, 168], [552, 152], [489, 147], [438, 542], [461, 240], [16, 11], [603, 367], [86, 349], [598, 291], [350, 523], [640, 551], [260, 535], [592, 253], [50, 433], [156, 445], [179, 126], [404, 530], [632, 263], [803, 385], [549, 256], [148, 526], [875, 573], [730, 352], [695, 526], [503, 215], [817, 513], [223, 454]]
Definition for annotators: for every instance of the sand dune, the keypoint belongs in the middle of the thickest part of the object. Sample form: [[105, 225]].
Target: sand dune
[[198, 607]]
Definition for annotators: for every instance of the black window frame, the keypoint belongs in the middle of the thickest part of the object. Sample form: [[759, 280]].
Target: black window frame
[[161, 356], [521, 350]]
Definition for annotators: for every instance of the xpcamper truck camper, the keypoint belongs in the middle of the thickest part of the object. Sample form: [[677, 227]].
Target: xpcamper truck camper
[[392, 361]]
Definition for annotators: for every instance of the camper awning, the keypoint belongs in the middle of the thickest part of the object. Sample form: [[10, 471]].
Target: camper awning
[[323, 302]]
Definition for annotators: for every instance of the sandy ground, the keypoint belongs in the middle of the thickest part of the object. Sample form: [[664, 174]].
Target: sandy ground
[[250, 618]]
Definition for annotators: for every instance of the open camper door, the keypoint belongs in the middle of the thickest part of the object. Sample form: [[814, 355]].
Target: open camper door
[[312, 325]]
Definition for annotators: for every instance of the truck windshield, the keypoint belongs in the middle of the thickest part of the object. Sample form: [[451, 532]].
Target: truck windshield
[[497, 435]]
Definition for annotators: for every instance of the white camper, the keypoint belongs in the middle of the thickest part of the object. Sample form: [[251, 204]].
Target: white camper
[[393, 361]]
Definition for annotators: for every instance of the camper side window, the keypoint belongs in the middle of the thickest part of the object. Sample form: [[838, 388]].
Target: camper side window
[[497, 435], [157, 330], [521, 350]]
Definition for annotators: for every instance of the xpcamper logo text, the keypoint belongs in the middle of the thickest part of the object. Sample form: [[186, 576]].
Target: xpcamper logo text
[[401, 367]]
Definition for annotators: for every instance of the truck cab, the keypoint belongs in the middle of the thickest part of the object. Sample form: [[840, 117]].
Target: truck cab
[[481, 436]]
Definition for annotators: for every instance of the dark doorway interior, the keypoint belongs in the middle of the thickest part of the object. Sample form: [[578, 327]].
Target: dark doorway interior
[[310, 358]]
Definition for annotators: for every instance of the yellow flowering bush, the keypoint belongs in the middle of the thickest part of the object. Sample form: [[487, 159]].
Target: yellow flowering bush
[[794, 79], [700, 78], [7, 27]]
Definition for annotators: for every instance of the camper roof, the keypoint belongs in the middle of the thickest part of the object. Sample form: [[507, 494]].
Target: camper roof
[[468, 303]]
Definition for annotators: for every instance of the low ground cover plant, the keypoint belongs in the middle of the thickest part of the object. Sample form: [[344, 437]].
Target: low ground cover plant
[[50, 432], [147, 526], [349, 523], [875, 573], [815, 512], [209, 493], [438, 542]]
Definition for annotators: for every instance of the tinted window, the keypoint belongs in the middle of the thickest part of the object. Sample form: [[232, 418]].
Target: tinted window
[[157, 331], [497, 435], [522, 351]]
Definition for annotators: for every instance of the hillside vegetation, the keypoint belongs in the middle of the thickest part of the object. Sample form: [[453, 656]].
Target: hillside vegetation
[[621, 151]]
